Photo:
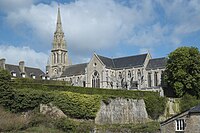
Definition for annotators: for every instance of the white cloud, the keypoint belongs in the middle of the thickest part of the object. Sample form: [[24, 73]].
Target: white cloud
[[90, 25], [14, 5], [15, 54]]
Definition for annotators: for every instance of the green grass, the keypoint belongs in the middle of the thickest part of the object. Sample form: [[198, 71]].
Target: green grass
[[39, 129]]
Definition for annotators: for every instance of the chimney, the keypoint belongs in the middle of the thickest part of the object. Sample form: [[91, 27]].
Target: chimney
[[2, 63], [22, 67]]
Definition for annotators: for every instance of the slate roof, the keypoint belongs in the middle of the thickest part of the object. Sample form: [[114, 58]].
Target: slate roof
[[28, 71], [13, 68], [157, 63], [34, 71], [195, 109], [124, 62], [107, 61], [77, 69]]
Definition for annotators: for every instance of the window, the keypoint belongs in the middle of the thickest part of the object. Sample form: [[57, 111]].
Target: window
[[95, 64], [120, 75], [33, 76], [129, 74], [149, 79], [95, 80], [23, 75], [156, 79], [13, 74], [180, 125]]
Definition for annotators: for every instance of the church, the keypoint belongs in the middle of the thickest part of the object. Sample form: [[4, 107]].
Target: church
[[137, 72]]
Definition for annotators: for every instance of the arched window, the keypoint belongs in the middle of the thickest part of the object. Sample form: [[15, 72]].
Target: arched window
[[129, 74], [120, 75], [156, 79], [95, 80], [149, 79]]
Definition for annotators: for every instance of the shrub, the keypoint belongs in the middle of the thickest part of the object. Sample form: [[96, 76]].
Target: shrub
[[65, 124], [26, 99], [76, 105], [188, 101], [155, 105], [6, 90]]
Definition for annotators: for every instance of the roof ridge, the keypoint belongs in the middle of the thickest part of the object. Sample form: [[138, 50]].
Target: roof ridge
[[129, 56]]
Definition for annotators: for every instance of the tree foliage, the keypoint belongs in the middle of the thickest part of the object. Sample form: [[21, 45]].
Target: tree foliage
[[6, 90], [183, 71]]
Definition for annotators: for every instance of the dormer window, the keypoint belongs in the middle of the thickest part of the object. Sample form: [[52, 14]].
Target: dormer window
[[33, 76], [23, 75], [43, 77], [13, 74]]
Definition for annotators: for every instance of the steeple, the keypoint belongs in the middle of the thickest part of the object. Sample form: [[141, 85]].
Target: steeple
[[59, 53], [59, 23]]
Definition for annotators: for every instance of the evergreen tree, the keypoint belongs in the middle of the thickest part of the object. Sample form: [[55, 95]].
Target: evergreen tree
[[6, 90]]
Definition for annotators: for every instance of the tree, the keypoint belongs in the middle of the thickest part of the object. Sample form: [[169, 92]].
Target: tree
[[183, 71], [6, 90]]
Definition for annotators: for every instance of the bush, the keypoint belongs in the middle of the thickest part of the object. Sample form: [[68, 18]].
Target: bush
[[6, 90], [65, 124], [188, 101], [76, 105], [26, 99], [155, 105]]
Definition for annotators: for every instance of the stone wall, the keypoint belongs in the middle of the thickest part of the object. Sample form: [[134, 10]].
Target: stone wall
[[122, 111], [192, 123]]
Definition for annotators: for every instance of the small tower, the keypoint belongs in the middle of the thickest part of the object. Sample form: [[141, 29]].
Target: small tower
[[59, 54]]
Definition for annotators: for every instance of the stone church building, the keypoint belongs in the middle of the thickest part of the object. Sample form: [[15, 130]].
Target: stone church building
[[137, 72]]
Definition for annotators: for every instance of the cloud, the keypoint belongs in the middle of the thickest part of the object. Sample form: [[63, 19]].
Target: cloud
[[89, 25], [92, 25], [14, 5], [15, 54]]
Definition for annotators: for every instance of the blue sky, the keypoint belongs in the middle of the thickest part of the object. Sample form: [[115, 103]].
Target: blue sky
[[112, 28]]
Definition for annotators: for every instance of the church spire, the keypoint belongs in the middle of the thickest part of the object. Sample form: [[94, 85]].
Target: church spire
[[59, 23]]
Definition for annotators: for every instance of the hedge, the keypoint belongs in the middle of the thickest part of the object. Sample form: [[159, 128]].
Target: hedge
[[155, 104]]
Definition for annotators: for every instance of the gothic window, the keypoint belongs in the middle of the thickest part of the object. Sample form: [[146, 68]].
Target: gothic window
[[95, 80], [84, 84], [156, 79], [139, 74], [120, 75], [57, 58], [111, 84], [129, 74], [149, 79], [133, 84], [54, 58]]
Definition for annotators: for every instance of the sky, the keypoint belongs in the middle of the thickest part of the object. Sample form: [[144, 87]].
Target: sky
[[112, 28]]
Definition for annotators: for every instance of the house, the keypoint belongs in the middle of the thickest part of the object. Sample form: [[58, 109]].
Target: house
[[21, 71], [185, 122]]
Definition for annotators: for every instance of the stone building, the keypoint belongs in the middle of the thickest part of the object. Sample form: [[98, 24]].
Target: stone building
[[21, 71], [186, 122], [59, 54], [139, 72]]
